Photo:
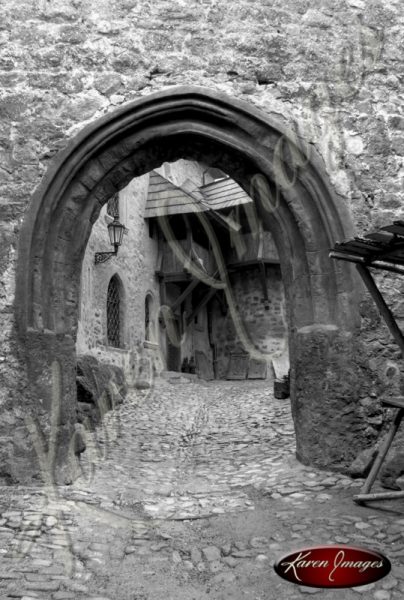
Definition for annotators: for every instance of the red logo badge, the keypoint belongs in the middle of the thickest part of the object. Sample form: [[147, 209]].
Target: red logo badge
[[333, 566]]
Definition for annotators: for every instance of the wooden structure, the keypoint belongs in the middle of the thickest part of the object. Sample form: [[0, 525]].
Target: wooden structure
[[259, 251], [186, 262], [256, 246], [383, 249]]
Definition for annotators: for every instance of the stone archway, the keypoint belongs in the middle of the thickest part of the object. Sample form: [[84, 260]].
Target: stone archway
[[298, 206]]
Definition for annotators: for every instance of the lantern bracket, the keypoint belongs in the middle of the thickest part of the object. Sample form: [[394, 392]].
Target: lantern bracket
[[115, 232], [101, 257]]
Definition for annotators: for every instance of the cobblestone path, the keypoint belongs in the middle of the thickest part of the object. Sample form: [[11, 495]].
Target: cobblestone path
[[190, 491]]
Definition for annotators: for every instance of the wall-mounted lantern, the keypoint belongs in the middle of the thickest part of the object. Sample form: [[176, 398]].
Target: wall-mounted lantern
[[115, 232]]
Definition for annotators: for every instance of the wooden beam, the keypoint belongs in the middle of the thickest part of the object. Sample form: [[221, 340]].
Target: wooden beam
[[190, 237], [386, 267], [163, 295], [360, 498], [201, 304], [397, 402], [223, 305], [160, 255], [260, 252], [185, 294], [224, 221], [264, 280], [250, 263], [383, 450], [382, 306], [195, 281], [376, 264], [175, 277]]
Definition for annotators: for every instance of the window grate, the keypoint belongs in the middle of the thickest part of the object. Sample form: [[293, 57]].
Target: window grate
[[113, 313], [147, 318], [113, 206]]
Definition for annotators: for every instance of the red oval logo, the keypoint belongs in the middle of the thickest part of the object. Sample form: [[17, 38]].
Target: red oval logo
[[333, 566]]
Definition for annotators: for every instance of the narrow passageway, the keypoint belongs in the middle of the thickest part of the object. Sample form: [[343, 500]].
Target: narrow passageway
[[189, 490]]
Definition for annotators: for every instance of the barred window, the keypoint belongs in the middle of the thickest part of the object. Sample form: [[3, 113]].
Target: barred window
[[113, 206], [114, 312], [147, 317]]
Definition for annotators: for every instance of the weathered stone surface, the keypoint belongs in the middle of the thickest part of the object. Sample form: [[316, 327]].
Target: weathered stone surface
[[211, 553], [391, 471], [215, 566], [226, 549], [63, 64], [43, 586], [196, 555], [100, 387], [382, 595], [360, 467], [243, 553], [230, 561], [211, 474], [258, 542], [345, 354], [224, 578]]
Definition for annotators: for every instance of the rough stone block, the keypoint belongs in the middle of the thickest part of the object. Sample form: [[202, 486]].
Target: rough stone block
[[196, 555], [211, 553], [215, 566], [230, 561], [100, 387]]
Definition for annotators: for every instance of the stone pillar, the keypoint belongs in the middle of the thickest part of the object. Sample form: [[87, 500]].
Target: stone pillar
[[329, 376], [46, 441]]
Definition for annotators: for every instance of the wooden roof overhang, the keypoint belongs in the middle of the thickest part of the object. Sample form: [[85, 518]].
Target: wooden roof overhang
[[381, 249]]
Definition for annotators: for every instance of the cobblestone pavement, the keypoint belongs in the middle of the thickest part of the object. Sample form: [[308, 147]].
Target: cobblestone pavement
[[190, 491]]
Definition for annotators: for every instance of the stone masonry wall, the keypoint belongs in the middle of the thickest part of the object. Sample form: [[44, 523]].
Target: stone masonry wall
[[334, 67], [265, 325], [135, 265]]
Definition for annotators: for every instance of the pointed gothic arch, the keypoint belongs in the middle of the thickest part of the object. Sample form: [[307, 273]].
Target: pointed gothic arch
[[293, 196]]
